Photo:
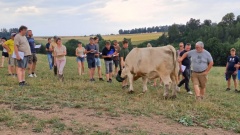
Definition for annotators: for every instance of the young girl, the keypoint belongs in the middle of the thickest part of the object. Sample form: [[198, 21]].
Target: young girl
[[80, 53], [60, 52]]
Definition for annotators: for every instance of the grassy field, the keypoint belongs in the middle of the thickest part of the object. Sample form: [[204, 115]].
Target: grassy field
[[80, 107], [136, 38]]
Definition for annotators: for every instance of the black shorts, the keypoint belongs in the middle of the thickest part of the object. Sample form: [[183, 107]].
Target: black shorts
[[116, 63], [5, 54], [91, 63], [230, 74]]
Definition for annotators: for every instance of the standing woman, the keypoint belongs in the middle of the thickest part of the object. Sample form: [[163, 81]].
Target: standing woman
[[80, 53], [4, 52], [60, 52]]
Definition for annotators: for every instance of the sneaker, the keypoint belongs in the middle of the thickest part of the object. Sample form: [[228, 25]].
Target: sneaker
[[34, 75], [237, 91], [93, 79], [190, 92], [110, 80], [228, 89], [30, 75], [101, 79], [20, 84], [25, 84]]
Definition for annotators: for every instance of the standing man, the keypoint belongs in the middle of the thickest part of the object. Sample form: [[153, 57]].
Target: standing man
[[181, 48], [90, 51], [21, 45], [187, 71], [231, 71], [51, 48], [202, 63], [116, 57], [32, 62], [9, 46], [123, 54], [49, 53], [97, 59]]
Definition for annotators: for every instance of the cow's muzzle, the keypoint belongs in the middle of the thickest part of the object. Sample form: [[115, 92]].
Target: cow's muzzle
[[119, 78]]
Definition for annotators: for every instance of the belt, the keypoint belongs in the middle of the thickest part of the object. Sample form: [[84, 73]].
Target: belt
[[199, 72]]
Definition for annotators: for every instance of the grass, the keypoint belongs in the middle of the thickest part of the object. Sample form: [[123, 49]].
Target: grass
[[136, 38], [220, 108]]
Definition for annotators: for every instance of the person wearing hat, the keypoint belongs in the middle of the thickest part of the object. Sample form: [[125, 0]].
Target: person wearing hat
[[51, 48], [4, 52], [9, 46]]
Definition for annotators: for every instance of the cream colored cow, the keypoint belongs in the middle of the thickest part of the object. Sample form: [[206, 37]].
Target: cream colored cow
[[151, 63]]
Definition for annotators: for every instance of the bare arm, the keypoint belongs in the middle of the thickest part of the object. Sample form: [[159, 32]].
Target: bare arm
[[16, 52], [226, 67], [76, 53], [122, 62], [6, 47], [183, 57]]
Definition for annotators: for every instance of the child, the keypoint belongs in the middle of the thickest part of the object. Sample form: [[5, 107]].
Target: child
[[231, 71]]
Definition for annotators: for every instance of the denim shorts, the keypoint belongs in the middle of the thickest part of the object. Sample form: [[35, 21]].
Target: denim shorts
[[98, 62], [23, 63], [91, 63], [80, 59]]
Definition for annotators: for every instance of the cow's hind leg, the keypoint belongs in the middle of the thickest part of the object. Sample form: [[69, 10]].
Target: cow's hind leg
[[145, 80], [130, 77]]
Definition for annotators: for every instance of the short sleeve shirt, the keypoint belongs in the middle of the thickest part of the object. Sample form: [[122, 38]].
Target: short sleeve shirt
[[10, 44], [88, 48], [59, 51], [22, 44], [107, 52], [186, 62], [124, 52], [200, 60], [232, 60], [31, 42]]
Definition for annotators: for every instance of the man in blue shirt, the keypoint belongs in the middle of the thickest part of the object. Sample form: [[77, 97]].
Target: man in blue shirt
[[91, 50], [32, 62], [231, 71]]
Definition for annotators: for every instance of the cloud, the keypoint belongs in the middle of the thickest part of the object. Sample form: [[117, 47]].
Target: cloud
[[27, 10]]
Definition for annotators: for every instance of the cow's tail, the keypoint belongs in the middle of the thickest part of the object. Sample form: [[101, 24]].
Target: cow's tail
[[175, 63]]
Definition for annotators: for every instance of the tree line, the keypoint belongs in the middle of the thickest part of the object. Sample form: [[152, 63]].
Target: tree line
[[218, 38], [145, 30]]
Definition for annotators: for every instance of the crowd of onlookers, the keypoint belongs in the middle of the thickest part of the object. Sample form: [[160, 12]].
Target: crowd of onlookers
[[194, 64]]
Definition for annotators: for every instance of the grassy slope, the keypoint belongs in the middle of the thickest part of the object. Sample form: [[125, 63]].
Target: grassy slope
[[220, 108], [136, 38]]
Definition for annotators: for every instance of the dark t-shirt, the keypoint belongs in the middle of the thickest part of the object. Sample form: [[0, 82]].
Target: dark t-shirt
[[88, 48], [232, 60], [186, 62], [47, 46], [107, 52], [123, 53], [32, 44]]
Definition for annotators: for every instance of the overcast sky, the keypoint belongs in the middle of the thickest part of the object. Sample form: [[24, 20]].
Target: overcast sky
[[85, 17]]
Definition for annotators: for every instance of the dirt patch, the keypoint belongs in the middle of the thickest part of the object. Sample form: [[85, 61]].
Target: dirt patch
[[100, 121]]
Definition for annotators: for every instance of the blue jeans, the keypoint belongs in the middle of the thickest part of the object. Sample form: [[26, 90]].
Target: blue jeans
[[50, 61]]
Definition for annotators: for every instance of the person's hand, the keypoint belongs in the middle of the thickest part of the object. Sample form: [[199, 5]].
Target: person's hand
[[18, 57], [235, 73], [236, 65], [179, 60], [205, 73], [181, 70]]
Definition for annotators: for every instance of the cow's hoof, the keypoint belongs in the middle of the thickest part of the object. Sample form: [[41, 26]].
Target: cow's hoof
[[173, 97], [130, 92]]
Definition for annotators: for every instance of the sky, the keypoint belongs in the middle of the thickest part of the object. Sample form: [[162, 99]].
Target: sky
[[85, 17]]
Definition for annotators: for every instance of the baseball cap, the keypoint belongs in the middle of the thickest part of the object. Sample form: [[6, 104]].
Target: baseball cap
[[13, 34]]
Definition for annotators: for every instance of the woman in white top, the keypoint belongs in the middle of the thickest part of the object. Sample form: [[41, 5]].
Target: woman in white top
[[80, 53], [60, 52]]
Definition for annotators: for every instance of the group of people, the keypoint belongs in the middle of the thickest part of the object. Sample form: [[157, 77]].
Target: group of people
[[113, 57], [21, 53]]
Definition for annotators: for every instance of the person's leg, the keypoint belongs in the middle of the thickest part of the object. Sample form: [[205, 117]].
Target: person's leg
[[55, 70], [98, 64], [186, 76], [203, 82], [107, 69], [235, 81], [228, 76], [110, 70], [2, 64], [196, 84], [49, 56], [58, 66], [10, 66], [82, 64], [79, 68]]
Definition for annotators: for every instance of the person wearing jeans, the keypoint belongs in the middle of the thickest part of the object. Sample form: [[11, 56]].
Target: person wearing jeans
[[187, 71], [60, 52], [49, 54], [51, 48], [107, 53]]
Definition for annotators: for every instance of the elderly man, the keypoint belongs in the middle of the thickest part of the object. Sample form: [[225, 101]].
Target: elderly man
[[202, 63]]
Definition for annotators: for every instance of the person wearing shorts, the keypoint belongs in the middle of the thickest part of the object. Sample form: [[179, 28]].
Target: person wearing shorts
[[12, 64], [21, 45], [80, 53], [116, 57], [4, 52], [32, 61], [231, 71], [97, 59], [90, 50], [107, 53], [202, 63]]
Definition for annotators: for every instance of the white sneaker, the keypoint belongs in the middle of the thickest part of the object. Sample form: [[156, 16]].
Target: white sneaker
[[31, 76], [190, 92], [34, 75]]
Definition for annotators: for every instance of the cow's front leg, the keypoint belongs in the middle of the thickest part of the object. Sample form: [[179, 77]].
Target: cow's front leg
[[145, 80], [130, 77]]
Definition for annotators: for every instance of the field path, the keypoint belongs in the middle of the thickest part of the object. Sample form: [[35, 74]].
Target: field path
[[87, 117]]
